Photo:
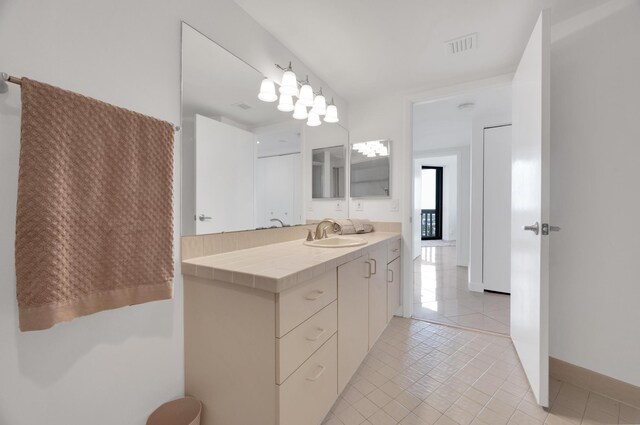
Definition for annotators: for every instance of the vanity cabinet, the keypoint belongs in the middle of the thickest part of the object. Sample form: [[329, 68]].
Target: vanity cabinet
[[282, 358], [377, 293], [394, 278], [353, 317]]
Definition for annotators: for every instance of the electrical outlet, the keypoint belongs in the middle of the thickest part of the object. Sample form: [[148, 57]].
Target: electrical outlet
[[359, 206], [338, 206], [395, 205]]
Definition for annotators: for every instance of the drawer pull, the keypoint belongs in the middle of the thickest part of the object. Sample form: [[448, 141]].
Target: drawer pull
[[317, 375], [317, 337], [395, 250], [314, 295]]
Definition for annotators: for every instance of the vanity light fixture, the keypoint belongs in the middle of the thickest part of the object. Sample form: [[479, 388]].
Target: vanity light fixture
[[319, 104], [289, 84], [286, 103], [332, 113], [306, 98], [314, 119], [372, 149], [267, 91], [306, 93], [300, 111]]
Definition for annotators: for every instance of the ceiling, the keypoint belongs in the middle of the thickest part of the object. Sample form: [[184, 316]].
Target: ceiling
[[441, 124], [365, 48]]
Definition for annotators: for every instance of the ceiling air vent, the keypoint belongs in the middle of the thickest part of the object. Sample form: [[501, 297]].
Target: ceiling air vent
[[242, 105], [462, 44]]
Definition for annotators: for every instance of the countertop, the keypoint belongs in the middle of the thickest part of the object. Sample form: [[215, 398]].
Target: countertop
[[276, 267]]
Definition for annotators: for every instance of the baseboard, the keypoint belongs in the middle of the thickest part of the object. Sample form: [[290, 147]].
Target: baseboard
[[594, 381], [476, 286]]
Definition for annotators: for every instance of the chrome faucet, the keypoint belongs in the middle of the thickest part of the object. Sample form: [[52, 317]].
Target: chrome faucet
[[321, 230], [279, 221]]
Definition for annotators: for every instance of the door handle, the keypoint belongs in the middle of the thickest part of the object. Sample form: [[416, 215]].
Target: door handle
[[375, 266], [203, 217], [535, 228], [390, 280], [368, 269], [546, 228]]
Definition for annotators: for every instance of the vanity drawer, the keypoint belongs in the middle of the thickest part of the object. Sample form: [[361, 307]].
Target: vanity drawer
[[394, 250], [296, 346], [297, 304], [308, 394]]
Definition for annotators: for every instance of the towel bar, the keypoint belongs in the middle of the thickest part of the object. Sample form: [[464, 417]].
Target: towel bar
[[6, 78]]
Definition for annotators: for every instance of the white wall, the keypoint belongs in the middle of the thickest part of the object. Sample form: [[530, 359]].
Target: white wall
[[595, 148], [113, 367]]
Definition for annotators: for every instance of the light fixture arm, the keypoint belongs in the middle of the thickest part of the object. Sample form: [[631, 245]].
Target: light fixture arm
[[282, 68]]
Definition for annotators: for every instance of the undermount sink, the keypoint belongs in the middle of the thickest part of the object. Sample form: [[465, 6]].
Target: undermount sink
[[337, 242]]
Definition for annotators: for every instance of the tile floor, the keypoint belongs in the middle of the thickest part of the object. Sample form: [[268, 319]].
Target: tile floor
[[441, 294], [420, 373]]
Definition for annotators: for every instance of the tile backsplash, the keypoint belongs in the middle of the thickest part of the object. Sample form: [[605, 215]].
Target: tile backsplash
[[218, 243]]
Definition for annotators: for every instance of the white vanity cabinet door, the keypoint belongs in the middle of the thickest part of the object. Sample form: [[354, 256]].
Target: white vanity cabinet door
[[306, 397], [353, 318], [377, 293], [393, 288]]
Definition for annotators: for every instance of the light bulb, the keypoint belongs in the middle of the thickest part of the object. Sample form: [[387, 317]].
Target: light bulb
[[267, 91], [314, 119], [306, 95], [300, 111], [286, 103], [289, 83], [332, 114], [319, 105]]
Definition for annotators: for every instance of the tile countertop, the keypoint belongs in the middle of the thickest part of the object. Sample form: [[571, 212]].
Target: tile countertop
[[276, 267]]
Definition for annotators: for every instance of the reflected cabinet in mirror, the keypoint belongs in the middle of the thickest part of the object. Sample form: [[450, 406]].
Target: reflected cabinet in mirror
[[371, 169], [241, 157], [328, 173]]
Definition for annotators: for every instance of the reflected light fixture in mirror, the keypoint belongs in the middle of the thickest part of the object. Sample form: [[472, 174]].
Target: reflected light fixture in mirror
[[319, 104], [332, 113], [306, 94], [267, 91], [289, 84], [314, 119], [286, 103], [300, 111]]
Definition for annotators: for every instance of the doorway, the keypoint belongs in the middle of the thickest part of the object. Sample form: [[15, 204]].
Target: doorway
[[431, 208]]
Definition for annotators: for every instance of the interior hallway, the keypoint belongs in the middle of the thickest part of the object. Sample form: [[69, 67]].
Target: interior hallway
[[441, 294]]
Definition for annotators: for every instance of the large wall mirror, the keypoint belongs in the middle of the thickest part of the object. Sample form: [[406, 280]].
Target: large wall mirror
[[244, 162], [241, 158], [371, 169]]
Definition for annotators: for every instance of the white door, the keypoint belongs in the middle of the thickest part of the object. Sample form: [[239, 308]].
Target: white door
[[496, 229], [225, 158], [530, 207]]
